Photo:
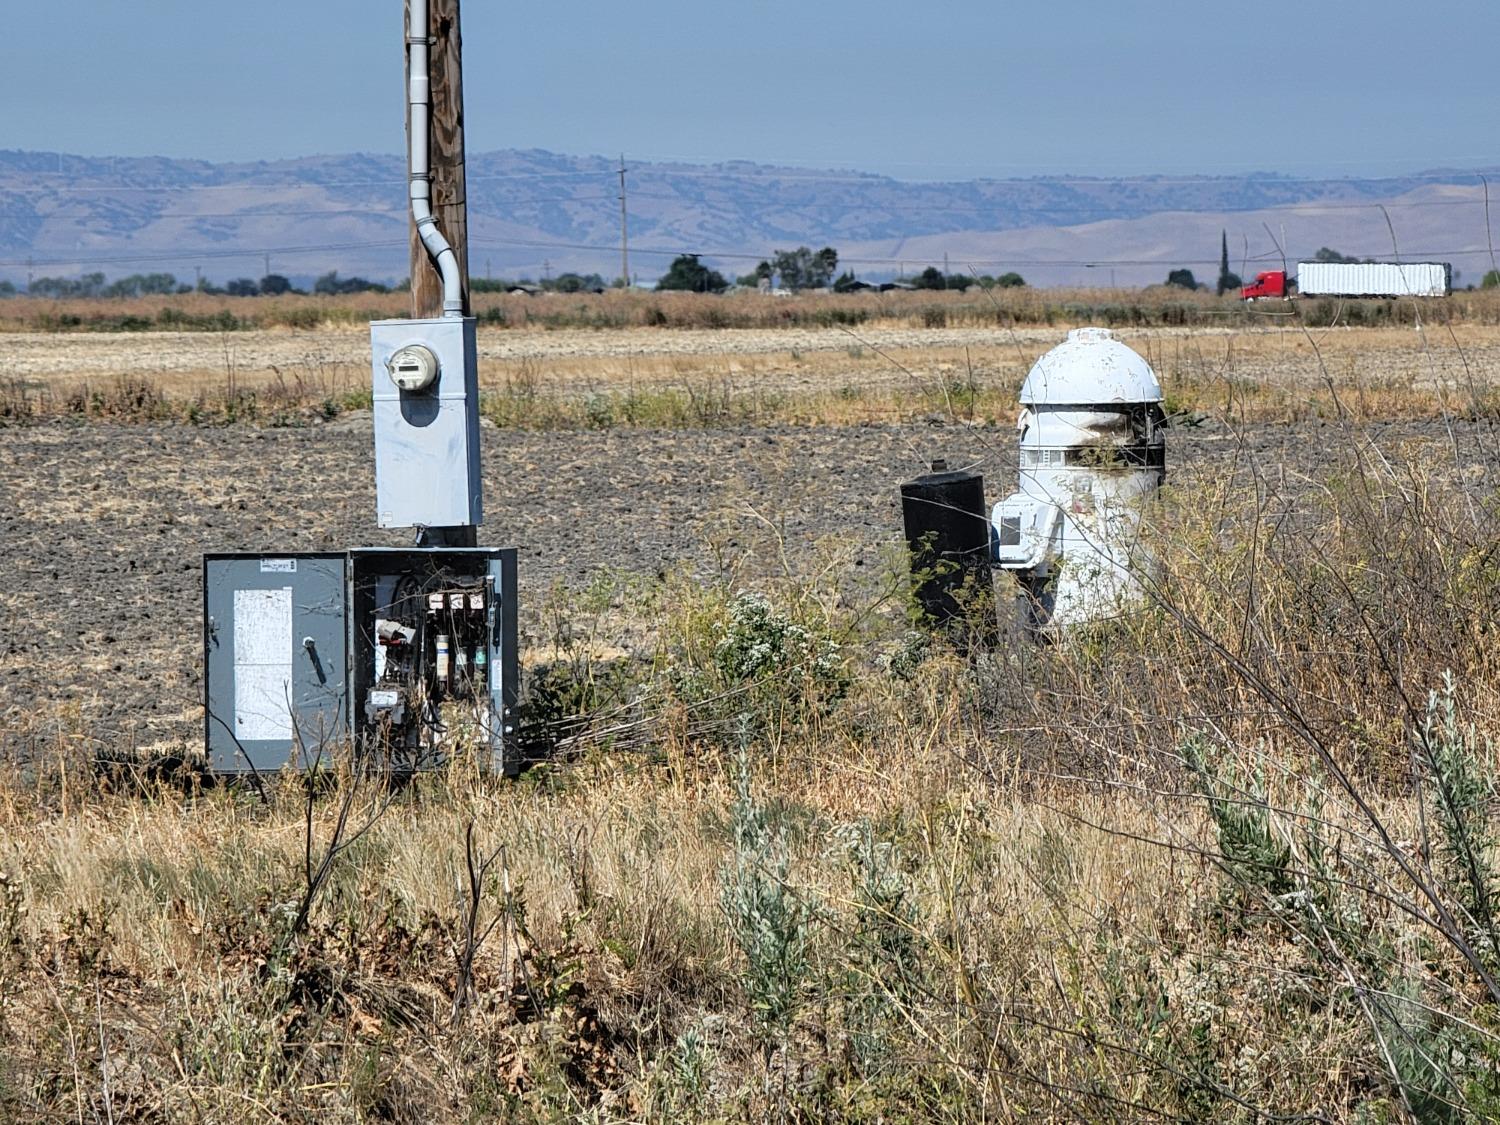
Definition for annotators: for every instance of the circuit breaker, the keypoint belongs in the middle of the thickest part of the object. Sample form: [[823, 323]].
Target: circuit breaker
[[407, 654], [425, 389]]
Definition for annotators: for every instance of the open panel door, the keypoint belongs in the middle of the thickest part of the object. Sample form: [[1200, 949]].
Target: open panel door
[[505, 664]]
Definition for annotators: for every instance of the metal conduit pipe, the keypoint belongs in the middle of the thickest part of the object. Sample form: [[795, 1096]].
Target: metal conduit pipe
[[419, 97]]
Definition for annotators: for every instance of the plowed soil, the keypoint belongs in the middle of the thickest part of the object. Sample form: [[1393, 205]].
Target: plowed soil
[[103, 526]]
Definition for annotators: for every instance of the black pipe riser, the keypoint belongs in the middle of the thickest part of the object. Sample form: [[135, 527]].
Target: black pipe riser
[[948, 534]]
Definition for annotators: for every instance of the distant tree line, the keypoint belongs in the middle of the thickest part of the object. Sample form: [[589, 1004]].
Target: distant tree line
[[805, 268], [934, 278], [688, 274], [1228, 279], [563, 283], [1325, 254], [332, 285], [802, 268], [94, 285]]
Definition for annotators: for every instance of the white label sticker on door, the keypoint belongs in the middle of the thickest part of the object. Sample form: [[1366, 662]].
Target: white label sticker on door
[[262, 664], [278, 566]]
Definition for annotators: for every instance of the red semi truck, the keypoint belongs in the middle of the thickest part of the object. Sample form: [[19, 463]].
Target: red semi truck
[[1355, 279], [1267, 283]]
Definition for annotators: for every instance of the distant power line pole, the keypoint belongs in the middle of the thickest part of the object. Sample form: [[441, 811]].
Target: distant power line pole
[[624, 231], [268, 265]]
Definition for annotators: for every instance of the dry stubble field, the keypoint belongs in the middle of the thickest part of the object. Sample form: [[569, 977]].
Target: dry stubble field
[[795, 859]]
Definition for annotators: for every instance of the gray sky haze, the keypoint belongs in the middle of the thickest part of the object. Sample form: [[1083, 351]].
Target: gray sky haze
[[942, 90]]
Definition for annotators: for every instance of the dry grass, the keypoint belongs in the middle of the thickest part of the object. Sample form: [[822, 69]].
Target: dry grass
[[614, 310], [1176, 867], [154, 937], [1154, 307], [1223, 859], [832, 376]]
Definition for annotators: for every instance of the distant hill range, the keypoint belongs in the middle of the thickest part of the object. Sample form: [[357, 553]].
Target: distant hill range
[[534, 211]]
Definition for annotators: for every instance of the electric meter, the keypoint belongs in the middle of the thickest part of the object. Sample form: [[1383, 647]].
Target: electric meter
[[413, 368]]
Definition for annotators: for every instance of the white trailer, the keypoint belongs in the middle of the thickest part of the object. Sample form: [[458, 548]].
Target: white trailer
[[1374, 279]]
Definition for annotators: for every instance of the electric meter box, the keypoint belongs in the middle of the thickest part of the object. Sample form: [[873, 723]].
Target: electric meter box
[[410, 654], [426, 438]]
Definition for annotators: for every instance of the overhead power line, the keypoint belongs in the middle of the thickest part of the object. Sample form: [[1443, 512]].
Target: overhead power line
[[761, 175], [375, 212], [199, 253], [395, 183], [219, 253], [1008, 259], [399, 213]]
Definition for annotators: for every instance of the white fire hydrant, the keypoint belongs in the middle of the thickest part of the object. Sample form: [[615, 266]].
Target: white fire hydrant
[[1092, 450]]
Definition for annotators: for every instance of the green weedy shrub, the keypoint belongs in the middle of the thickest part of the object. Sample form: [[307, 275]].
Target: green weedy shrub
[[683, 1081], [769, 922], [1296, 870], [1461, 785], [749, 666], [221, 321], [1253, 856], [834, 318], [12, 930], [883, 955], [600, 411], [756, 641], [908, 654]]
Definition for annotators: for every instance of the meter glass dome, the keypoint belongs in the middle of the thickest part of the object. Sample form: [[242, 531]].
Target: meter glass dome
[[413, 368]]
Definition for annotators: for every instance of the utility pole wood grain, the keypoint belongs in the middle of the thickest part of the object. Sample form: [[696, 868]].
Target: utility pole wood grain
[[449, 195]]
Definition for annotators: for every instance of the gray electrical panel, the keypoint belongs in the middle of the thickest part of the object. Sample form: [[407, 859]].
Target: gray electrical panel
[[399, 658], [407, 655], [425, 387], [276, 636]]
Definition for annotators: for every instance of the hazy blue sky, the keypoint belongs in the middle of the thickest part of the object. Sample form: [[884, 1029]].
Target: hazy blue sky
[[919, 90]]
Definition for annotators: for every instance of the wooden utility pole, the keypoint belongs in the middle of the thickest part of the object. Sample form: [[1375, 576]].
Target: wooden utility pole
[[624, 231], [449, 197]]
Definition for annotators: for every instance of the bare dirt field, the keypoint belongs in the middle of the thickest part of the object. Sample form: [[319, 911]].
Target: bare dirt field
[[104, 525]]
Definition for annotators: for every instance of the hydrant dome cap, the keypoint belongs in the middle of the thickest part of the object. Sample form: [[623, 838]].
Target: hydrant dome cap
[[1090, 367]]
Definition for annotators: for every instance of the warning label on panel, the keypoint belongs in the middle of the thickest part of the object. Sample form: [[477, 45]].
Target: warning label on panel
[[278, 566], [262, 664]]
